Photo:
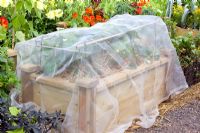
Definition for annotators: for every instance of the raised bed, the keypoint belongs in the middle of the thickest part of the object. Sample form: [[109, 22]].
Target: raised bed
[[102, 77], [56, 93]]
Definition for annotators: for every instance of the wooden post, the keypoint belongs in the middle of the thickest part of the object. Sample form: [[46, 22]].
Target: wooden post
[[27, 86], [13, 55], [87, 106]]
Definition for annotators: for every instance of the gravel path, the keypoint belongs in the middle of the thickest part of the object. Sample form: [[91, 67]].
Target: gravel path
[[181, 120], [181, 114]]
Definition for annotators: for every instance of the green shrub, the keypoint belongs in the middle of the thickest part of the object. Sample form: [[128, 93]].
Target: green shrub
[[15, 120], [197, 40], [8, 79], [187, 49], [177, 14], [171, 25]]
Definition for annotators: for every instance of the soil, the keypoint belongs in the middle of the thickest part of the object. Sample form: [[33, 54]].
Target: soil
[[98, 65], [192, 73], [182, 31], [181, 114], [102, 66]]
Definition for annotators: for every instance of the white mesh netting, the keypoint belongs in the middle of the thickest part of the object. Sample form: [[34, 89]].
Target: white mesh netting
[[102, 77]]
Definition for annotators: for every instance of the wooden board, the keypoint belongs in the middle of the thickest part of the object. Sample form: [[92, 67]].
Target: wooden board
[[12, 53], [50, 98]]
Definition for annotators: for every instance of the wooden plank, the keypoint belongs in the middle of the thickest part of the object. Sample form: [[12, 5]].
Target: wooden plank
[[27, 84], [49, 98], [126, 74], [82, 114], [12, 53], [30, 68], [27, 87], [87, 105], [92, 110], [87, 83], [58, 83]]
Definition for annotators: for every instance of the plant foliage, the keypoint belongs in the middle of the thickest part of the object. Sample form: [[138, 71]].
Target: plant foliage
[[14, 120], [8, 79], [187, 48]]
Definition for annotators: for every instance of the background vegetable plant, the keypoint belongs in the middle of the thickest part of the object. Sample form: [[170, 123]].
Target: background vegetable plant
[[188, 49]]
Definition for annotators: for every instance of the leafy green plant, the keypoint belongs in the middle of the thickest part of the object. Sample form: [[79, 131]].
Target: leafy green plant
[[8, 79], [197, 40], [177, 14], [15, 120], [196, 14], [187, 49], [156, 7], [171, 25], [3, 33], [123, 7], [73, 13], [29, 18]]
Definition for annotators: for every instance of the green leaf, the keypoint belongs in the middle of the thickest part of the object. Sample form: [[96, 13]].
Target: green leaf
[[28, 5], [30, 23], [14, 111], [20, 36], [2, 33], [19, 5], [38, 13], [21, 130], [16, 23], [2, 59], [21, 19], [11, 11], [35, 33]]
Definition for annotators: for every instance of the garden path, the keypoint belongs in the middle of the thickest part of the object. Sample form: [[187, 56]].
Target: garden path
[[181, 114]]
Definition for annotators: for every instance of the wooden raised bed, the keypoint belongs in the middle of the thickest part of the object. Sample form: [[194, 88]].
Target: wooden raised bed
[[56, 93]]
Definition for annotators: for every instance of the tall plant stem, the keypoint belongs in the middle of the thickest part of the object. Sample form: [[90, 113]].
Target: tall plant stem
[[13, 30]]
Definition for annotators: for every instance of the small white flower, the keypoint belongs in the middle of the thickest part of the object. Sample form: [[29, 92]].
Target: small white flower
[[41, 5], [51, 15], [5, 3], [58, 13], [54, 14]]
